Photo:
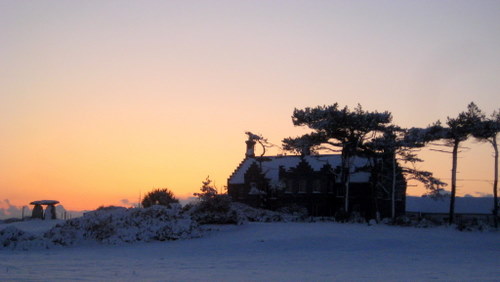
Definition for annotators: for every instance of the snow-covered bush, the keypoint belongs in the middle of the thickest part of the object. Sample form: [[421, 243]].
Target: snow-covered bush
[[213, 217], [212, 208], [14, 238], [424, 223], [117, 225], [11, 235], [356, 217], [341, 216], [248, 213], [402, 221], [238, 213], [294, 210], [473, 225]]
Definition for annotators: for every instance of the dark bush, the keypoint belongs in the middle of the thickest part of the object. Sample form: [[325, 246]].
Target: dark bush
[[162, 197]]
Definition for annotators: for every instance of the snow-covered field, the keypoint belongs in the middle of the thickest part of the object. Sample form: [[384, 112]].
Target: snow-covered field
[[322, 251]]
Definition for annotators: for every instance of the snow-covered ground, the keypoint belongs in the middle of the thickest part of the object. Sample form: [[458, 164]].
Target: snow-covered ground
[[324, 251]]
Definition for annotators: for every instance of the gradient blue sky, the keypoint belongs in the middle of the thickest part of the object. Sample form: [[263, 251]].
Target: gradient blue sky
[[103, 100]]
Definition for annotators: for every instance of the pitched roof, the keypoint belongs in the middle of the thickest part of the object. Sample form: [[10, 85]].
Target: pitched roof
[[271, 166]]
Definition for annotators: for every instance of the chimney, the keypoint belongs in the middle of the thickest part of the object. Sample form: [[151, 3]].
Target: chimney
[[250, 148]]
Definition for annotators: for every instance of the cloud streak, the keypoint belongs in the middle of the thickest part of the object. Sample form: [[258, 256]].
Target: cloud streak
[[7, 210]]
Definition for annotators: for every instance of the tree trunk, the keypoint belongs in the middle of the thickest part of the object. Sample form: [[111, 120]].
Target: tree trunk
[[495, 183], [374, 183], [346, 183], [346, 167], [451, 214], [393, 191]]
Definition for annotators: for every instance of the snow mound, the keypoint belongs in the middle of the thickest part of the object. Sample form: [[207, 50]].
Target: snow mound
[[112, 225], [115, 225]]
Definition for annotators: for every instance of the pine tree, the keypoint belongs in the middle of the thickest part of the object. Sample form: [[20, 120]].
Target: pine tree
[[459, 129], [487, 131], [398, 145], [334, 129]]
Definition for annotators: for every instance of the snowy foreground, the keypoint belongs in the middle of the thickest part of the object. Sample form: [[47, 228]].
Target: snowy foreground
[[322, 251]]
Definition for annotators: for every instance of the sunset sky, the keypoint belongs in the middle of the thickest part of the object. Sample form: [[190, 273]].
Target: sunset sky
[[102, 101]]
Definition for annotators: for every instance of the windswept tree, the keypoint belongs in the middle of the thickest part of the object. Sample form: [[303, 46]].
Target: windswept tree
[[382, 151], [304, 145], [336, 129], [458, 130], [414, 139], [487, 131], [394, 149]]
